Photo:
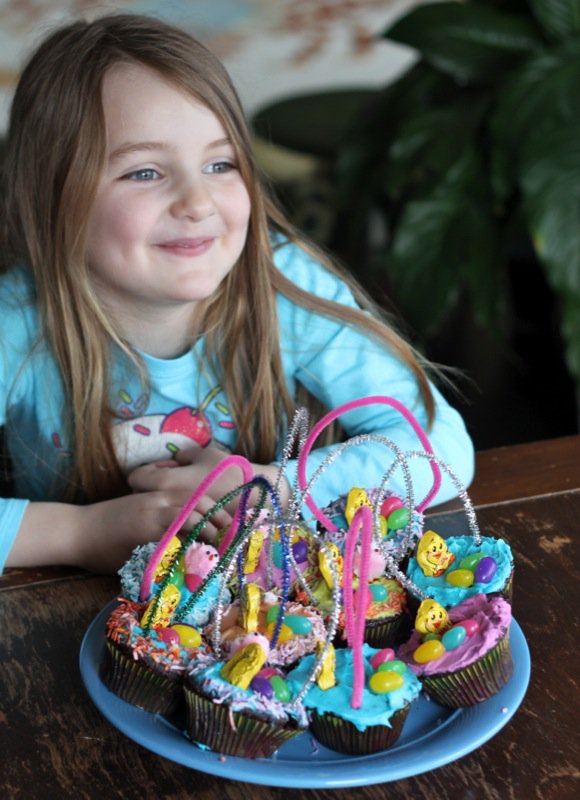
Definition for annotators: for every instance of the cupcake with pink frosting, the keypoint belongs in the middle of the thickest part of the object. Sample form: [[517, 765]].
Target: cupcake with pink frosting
[[462, 656]]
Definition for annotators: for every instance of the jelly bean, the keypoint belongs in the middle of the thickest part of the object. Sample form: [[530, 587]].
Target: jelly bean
[[428, 651], [486, 569], [281, 689], [393, 666], [168, 636], [383, 526], [453, 637], [277, 554], [268, 672], [178, 578], [193, 582], [301, 625], [284, 635], [471, 626], [389, 505], [386, 654], [471, 562], [188, 636], [382, 682], [398, 519], [460, 577], [262, 686], [300, 551], [365, 596], [272, 614], [432, 636], [379, 592]]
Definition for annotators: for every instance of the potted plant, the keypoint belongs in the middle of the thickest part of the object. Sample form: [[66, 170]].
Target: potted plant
[[472, 153]]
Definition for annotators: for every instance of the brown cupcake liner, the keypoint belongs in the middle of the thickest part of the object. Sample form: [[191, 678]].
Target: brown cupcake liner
[[473, 684], [233, 733], [342, 736], [138, 684], [381, 633]]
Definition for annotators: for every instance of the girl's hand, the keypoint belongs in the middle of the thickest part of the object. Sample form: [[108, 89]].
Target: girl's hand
[[189, 470]]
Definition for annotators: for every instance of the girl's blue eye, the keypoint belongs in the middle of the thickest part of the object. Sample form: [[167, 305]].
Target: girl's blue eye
[[146, 174], [220, 166]]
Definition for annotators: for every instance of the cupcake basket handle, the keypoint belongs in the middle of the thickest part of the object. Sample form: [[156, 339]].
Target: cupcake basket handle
[[181, 518], [334, 414], [355, 618]]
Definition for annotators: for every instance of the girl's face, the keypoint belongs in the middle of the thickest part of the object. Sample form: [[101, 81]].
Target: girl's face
[[171, 214]]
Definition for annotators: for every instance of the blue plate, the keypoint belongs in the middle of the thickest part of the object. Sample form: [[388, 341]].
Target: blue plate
[[432, 736]]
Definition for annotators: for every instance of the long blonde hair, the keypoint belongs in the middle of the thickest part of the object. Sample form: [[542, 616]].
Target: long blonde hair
[[55, 154]]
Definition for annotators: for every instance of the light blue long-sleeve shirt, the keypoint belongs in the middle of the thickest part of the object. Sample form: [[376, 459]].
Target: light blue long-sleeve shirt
[[186, 404]]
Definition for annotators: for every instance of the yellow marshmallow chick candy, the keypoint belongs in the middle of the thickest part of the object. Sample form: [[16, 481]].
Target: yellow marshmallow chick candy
[[433, 555], [326, 678], [325, 569], [161, 615], [255, 543], [244, 665], [167, 559], [251, 600], [431, 617], [356, 498]]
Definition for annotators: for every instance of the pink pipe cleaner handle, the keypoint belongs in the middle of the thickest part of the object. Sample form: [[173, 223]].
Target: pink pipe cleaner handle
[[181, 518], [355, 619], [337, 412]]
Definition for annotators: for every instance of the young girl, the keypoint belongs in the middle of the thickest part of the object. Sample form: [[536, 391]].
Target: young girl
[[157, 311]]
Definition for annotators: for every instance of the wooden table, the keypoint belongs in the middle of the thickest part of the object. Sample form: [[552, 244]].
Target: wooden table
[[54, 743]]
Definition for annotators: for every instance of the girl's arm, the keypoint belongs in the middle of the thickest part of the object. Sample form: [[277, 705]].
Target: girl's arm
[[97, 537]]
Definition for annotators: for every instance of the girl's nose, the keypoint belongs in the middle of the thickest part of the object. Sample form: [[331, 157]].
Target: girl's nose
[[193, 200]]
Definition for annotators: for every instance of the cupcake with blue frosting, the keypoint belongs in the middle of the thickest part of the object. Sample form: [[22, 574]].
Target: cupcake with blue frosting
[[453, 569], [370, 723]]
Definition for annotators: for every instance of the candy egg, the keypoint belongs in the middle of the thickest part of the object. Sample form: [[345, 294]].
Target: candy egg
[[382, 682], [453, 637], [277, 554], [193, 582], [178, 578], [268, 672], [471, 626], [281, 689], [284, 635], [428, 651], [486, 569], [398, 519], [300, 551], [460, 577], [470, 562], [272, 614], [262, 686], [168, 636], [378, 592], [393, 666], [188, 636], [386, 654], [389, 505], [301, 625]]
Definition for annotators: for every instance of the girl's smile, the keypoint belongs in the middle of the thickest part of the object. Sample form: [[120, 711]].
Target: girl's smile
[[171, 214]]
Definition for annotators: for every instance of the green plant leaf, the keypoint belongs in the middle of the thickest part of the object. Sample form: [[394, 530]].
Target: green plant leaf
[[428, 144], [541, 94], [550, 181], [469, 41], [559, 18], [443, 242]]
